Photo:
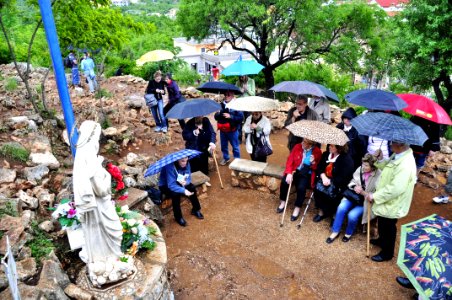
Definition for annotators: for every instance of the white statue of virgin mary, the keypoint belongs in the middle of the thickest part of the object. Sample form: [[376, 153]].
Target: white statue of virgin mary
[[92, 195]]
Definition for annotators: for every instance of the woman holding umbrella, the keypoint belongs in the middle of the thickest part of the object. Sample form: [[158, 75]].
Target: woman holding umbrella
[[257, 127]]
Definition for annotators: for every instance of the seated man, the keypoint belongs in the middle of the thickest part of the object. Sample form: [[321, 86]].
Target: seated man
[[175, 181]]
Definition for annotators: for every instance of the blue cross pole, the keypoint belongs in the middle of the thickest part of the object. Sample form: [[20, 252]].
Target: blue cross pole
[[60, 76]]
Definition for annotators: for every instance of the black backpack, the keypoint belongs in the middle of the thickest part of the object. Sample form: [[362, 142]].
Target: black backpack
[[67, 62]]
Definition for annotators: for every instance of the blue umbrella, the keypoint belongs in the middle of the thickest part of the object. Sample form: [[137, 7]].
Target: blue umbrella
[[376, 99], [243, 67], [218, 87], [193, 108], [389, 127], [170, 158], [305, 87]]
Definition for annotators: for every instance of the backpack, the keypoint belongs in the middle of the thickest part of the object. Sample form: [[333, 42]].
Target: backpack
[[67, 62]]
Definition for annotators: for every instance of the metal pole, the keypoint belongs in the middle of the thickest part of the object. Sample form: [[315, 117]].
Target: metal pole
[[60, 76]]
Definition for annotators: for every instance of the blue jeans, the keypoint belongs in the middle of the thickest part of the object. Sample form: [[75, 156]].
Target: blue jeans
[[354, 213], [157, 113], [420, 159], [233, 138]]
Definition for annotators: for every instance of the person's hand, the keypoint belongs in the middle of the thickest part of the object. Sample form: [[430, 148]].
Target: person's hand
[[188, 193], [312, 159], [325, 180], [379, 154], [289, 178], [370, 197], [227, 115], [212, 147], [199, 126], [358, 189], [253, 126], [196, 132], [296, 114]]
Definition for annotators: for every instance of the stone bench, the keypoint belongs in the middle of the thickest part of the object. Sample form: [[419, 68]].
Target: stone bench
[[255, 175]]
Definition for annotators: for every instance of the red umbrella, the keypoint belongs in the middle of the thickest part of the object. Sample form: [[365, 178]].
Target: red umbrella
[[426, 108]]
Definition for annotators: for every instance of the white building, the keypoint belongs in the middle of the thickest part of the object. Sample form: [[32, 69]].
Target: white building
[[120, 2]]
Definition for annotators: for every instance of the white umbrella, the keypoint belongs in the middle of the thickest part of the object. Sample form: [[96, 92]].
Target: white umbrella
[[253, 103], [318, 132]]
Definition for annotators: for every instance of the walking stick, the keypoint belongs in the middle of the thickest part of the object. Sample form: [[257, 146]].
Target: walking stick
[[368, 229], [218, 170], [285, 205], [305, 210]]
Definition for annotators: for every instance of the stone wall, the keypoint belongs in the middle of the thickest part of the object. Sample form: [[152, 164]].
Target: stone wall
[[437, 167]]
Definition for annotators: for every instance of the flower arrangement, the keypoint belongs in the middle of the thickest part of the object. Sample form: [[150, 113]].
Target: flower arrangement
[[137, 234], [118, 188], [67, 214]]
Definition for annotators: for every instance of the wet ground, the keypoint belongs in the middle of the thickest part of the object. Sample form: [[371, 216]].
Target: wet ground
[[239, 251]]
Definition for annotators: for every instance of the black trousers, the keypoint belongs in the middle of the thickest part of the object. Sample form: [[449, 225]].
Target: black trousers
[[200, 163], [175, 198], [326, 204], [167, 108], [387, 231], [301, 183]]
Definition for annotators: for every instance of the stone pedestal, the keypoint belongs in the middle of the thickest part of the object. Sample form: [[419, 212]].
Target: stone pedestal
[[149, 282]]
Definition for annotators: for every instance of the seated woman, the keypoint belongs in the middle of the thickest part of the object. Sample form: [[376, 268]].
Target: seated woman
[[257, 126], [303, 160], [175, 181], [364, 181], [335, 168]]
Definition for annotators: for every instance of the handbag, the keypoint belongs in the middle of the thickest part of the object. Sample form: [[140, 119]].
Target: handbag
[[352, 195], [262, 149], [329, 191], [150, 100]]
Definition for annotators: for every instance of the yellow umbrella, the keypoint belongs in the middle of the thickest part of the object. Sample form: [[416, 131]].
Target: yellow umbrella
[[154, 56]]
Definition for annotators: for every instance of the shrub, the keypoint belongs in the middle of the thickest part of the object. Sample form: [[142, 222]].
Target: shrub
[[448, 134], [14, 151], [100, 93], [186, 76], [11, 84], [41, 243]]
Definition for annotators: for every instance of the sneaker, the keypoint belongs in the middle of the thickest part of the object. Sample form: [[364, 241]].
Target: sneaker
[[224, 162], [441, 199], [164, 130], [158, 129]]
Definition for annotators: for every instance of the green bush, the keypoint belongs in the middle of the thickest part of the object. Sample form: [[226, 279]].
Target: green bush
[[41, 243], [448, 134], [186, 76], [14, 151], [11, 84], [100, 93]]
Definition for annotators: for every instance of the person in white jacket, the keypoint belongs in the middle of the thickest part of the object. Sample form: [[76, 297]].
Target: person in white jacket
[[321, 107], [257, 126]]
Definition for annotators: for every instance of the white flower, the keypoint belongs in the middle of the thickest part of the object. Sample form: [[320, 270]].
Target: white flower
[[131, 222], [134, 230], [124, 209]]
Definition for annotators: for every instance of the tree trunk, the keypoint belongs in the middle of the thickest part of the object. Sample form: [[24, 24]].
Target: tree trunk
[[445, 102], [269, 78]]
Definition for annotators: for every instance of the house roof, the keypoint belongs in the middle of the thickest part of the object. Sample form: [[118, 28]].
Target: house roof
[[389, 3]]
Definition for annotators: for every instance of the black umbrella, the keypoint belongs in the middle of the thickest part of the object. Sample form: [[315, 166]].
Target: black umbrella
[[219, 87]]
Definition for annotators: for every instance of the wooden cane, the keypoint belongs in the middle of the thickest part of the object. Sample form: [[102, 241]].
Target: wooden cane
[[285, 204], [305, 210], [369, 206], [218, 170]]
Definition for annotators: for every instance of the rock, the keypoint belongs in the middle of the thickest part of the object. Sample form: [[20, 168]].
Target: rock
[[25, 269], [64, 194], [145, 182], [36, 118], [446, 149], [285, 106], [133, 170], [79, 92], [129, 182], [153, 211], [25, 252], [161, 139], [32, 126], [17, 122], [110, 132], [77, 293], [30, 202], [22, 184], [27, 217], [46, 201], [47, 226], [36, 173], [7, 175], [259, 180], [234, 180], [41, 144], [135, 101], [15, 231], [8, 102], [273, 184], [132, 159], [47, 159]]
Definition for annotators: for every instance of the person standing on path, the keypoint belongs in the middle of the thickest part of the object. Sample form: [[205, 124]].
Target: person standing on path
[[156, 87], [257, 127], [300, 111], [392, 198], [248, 88], [174, 97], [227, 122], [88, 66], [321, 106]]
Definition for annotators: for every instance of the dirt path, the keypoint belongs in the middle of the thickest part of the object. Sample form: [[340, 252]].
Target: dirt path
[[240, 252]]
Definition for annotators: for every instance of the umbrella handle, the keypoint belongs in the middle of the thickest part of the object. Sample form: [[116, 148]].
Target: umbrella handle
[[218, 170]]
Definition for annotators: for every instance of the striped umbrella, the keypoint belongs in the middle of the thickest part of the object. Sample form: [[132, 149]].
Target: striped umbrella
[[170, 158]]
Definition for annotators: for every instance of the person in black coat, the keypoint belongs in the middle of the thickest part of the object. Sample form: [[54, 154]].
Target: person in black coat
[[156, 87], [356, 145], [336, 168], [432, 130], [199, 134]]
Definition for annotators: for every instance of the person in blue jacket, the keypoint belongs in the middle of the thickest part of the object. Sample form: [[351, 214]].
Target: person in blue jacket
[[175, 181], [199, 135], [228, 121]]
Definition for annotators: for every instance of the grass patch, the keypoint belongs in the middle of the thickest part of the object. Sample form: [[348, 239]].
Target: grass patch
[[103, 93], [2, 233], [41, 243], [11, 84], [9, 209], [106, 123], [14, 151]]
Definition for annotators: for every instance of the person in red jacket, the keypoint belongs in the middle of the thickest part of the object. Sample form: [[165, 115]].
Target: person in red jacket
[[300, 169]]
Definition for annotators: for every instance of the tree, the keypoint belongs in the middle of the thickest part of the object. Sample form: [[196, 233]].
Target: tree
[[295, 30], [425, 47]]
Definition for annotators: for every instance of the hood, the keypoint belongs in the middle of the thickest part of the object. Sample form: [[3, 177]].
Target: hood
[[350, 113]]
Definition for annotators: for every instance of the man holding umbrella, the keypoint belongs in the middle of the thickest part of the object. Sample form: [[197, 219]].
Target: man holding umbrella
[[228, 122]]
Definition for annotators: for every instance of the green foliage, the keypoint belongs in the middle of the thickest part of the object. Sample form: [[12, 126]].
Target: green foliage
[[14, 151], [41, 243], [2, 233], [106, 123], [186, 76], [101, 93], [448, 134], [9, 209], [11, 84]]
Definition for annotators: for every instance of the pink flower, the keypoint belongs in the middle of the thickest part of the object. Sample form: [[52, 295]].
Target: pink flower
[[71, 213]]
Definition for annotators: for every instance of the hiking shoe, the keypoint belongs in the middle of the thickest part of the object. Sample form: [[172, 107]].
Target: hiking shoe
[[224, 162], [164, 130], [157, 129], [441, 199]]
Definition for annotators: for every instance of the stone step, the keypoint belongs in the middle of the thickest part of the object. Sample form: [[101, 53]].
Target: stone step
[[135, 197]]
